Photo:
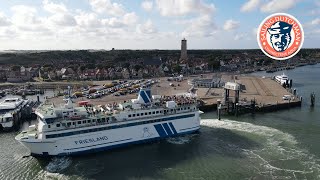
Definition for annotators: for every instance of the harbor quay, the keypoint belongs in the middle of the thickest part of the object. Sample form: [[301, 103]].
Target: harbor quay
[[266, 94], [256, 94]]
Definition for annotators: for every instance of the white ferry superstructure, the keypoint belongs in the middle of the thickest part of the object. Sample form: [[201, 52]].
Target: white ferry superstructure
[[9, 108], [69, 130], [282, 79]]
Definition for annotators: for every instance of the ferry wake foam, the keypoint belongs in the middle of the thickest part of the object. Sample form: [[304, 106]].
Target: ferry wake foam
[[275, 143], [69, 130]]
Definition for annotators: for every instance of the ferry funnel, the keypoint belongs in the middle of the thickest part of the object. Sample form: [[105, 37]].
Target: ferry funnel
[[144, 96]]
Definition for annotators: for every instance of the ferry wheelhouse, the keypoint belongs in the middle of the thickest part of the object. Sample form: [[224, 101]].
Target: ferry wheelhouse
[[70, 130]]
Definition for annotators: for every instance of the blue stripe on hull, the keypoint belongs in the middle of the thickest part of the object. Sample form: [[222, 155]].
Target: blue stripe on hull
[[166, 127], [172, 127], [160, 130], [114, 146]]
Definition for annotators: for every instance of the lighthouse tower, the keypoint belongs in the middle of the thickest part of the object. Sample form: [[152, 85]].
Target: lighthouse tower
[[184, 55]]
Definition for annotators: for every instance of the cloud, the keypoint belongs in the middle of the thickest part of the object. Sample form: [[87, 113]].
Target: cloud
[[113, 22], [231, 25], [25, 18], [146, 28], [7, 33], [130, 18], [147, 5], [250, 5], [278, 6], [240, 36], [92, 21], [63, 19], [106, 6], [202, 26], [54, 8], [183, 7], [4, 21], [61, 16], [85, 19], [315, 21]]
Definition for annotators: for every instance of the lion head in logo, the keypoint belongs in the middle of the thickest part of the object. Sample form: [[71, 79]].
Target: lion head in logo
[[280, 37]]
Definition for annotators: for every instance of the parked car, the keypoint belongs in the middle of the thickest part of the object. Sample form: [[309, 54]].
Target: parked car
[[286, 97]]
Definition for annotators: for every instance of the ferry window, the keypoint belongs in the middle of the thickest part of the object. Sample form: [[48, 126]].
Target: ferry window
[[138, 114], [153, 112], [157, 112], [73, 123], [93, 120], [84, 121], [129, 115], [171, 110], [75, 113], [133, 115], [103, 120], [150, 112], [49, 126], [89, 121], [188, 107], [160, 111], [79, 122], [146, 113], [185, 108], [69, 124], [98, 120], [58, 125], [141, 114]]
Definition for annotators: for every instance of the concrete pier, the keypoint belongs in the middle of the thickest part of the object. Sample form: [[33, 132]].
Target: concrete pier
[[267, 95]]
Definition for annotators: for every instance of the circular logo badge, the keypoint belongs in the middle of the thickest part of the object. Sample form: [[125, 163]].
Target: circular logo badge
[[280, 36]]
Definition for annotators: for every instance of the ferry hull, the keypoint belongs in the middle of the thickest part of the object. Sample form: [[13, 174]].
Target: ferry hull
[[113, 138]]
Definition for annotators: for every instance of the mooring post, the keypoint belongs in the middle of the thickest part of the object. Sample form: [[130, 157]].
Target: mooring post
[[253, 105], [237, 109], [312, 97], [219, 112], [219, 108]]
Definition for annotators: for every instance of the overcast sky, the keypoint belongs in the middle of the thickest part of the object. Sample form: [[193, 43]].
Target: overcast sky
[[146, 24]]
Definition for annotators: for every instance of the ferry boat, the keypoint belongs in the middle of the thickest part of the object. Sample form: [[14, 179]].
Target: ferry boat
[[282, 79], [9, 112], [70, 130]]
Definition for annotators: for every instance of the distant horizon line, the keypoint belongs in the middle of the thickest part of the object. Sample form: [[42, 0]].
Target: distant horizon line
[[7, 50]]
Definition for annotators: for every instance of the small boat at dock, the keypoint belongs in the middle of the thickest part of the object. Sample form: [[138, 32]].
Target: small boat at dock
[[282, 79]]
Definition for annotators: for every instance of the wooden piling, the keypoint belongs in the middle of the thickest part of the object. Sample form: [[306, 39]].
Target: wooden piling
[[312, 98]]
